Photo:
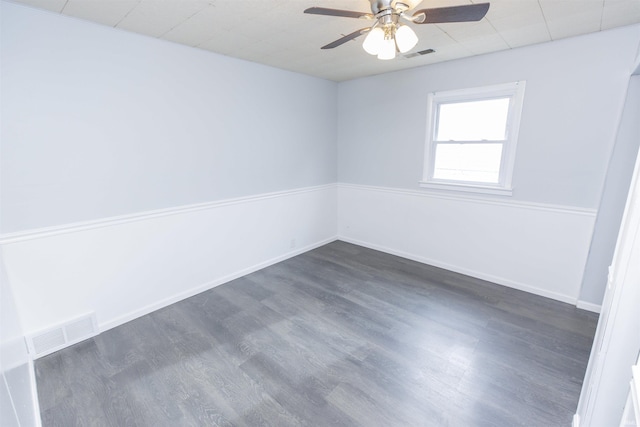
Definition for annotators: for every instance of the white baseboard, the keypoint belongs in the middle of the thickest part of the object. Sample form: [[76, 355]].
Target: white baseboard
[[212, 284], [576, 421], [209, 285], [479, 275], [583, 305]]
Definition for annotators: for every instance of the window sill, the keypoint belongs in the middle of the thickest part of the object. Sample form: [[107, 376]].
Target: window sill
[[469, 188]]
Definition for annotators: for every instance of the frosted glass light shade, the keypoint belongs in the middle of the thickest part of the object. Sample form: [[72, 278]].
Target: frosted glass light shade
[[406, 39], [388, 49], [374, 40]]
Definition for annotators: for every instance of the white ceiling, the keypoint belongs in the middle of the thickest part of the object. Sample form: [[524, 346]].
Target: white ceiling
[[278, 33]]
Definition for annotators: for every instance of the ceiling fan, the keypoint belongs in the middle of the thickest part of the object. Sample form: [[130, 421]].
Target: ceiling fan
[[387, 35]]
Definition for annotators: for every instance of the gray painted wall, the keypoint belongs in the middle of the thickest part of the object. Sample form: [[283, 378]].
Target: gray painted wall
[[570, 115], [100, 122]]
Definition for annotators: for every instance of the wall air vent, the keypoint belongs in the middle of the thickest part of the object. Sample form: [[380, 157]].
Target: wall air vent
[[422, 52], [56, 338]]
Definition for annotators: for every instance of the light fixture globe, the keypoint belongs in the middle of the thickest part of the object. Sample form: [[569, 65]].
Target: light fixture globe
[[406, 38], [388, 49], [374, 40]]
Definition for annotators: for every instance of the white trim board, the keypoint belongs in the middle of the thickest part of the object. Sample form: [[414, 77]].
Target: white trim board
[[39, 233], [461, 196], [589, 306]]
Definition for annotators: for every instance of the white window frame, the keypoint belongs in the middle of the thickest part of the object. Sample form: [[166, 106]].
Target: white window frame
[[515, 91]]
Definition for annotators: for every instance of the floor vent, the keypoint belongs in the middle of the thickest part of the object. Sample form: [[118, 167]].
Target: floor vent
[[71, 332]]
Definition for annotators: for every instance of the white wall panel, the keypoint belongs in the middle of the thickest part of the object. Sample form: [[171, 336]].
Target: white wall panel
[[537, 248], [126, 268]]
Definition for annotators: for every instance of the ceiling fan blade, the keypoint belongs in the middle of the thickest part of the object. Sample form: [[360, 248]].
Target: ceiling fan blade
[[463, 13], [338, 12], [346, 38]]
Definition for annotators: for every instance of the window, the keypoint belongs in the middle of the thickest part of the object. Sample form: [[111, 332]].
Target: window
[[471, 138]]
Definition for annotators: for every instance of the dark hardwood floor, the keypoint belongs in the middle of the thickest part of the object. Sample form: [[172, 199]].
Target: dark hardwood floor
[[339, 336]]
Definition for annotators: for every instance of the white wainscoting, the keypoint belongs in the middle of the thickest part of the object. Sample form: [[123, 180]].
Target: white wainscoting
[[537, 248], [122, 268]]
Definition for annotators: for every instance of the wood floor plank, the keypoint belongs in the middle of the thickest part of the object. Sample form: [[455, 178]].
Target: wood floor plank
[[338, 336]]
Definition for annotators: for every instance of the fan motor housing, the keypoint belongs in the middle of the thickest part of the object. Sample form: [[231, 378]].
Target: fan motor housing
[[378, 6]]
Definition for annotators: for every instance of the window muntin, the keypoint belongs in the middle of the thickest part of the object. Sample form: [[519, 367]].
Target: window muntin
[[471, 138]]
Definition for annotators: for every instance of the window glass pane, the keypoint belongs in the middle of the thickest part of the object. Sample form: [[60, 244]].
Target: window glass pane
[[468, 162], [473, 121]]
